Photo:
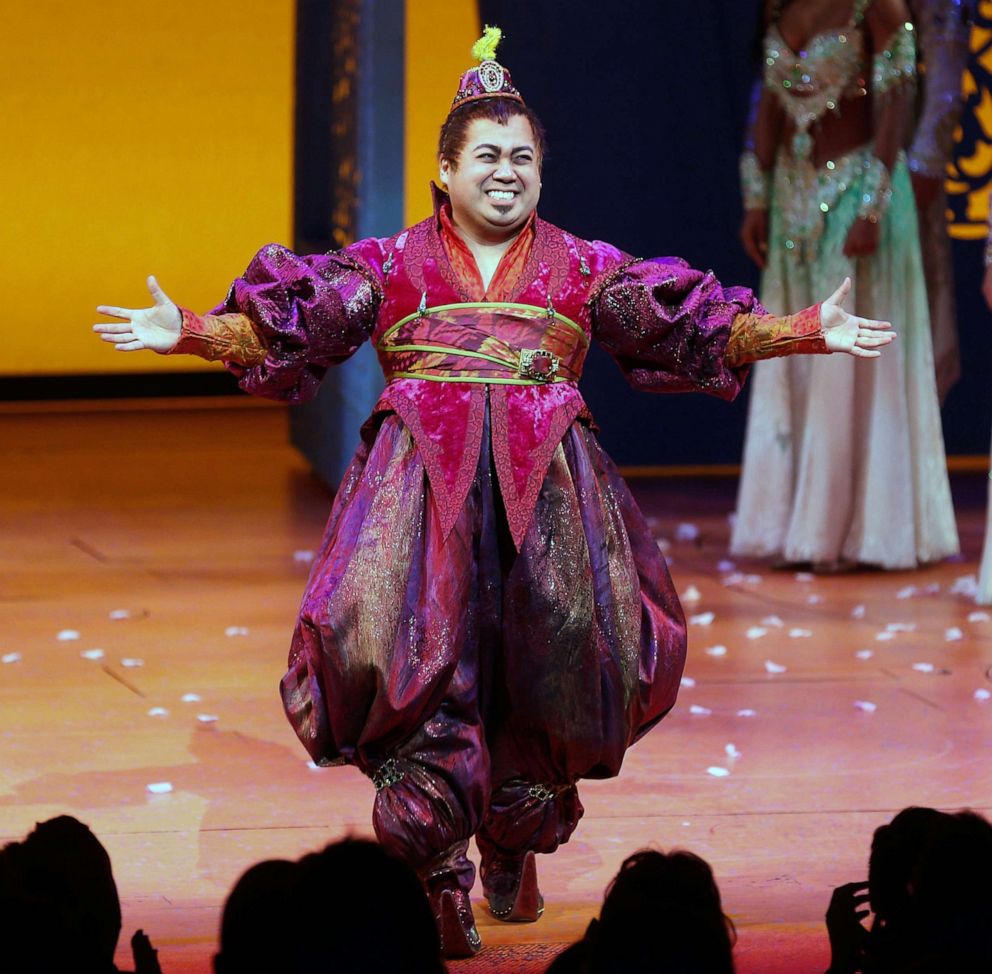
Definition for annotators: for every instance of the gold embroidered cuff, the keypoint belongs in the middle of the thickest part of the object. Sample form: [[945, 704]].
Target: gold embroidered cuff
[[228, 338], [756, 337]]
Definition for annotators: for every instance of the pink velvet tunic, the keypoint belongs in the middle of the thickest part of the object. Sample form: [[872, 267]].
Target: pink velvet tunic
[[488, 618]]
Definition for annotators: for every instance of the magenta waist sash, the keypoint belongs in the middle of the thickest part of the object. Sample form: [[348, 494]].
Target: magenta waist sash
[[500, 343]]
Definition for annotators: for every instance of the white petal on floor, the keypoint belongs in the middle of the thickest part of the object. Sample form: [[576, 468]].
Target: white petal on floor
[[800, 633], [191, 698], [773, 622], [884, 637], [691, 594], [160, 787], [953, 634], [118, 614], [688, 682], [725, 566], [864, 654], [303, 556], [92, 654], [700, 711], [67, 635], [686, 531], [814, 599], [10, 658], [866, 705], [771, 667], [756, 632], [804, 576], [716, 651], [932, 589], [858, 612], [207, 718], [753, 579], [923, 667], [908, 592], [901, 627], [965, 585], [130, 662], [664, 545], [158, 712], [703, 619], [718, 772], [236, 631], [732, 752], [979, 617], [747, 712], [313, 766], [982, 694]]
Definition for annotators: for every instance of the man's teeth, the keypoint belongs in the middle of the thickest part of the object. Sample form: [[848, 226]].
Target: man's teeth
[[499, 194]]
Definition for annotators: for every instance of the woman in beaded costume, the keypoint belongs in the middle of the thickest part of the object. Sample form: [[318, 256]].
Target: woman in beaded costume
[[843, 461], [488, 618]]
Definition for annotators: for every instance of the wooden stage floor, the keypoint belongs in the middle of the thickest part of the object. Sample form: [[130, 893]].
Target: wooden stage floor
[[175, 540]]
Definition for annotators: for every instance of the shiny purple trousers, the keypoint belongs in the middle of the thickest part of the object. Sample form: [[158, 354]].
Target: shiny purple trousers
[[475, 684]]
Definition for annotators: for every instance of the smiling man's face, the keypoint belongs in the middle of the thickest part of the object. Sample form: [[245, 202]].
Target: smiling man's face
[[496, 183]]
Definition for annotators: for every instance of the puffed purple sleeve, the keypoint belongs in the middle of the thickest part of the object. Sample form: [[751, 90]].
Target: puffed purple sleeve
[[311, 312], [668, 325]]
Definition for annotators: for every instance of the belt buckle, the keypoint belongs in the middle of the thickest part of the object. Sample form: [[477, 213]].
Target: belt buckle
[[535, 363]]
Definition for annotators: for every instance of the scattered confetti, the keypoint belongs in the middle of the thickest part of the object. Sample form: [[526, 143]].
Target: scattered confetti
[[773, 622], [67, 635], [756, 632], [739, 578], [685, 824], [864, 654], [725, 566], [965, 585], [716, 651], [207, 718], [160, 787], [236, 631], [688, 682], [313, 766], [747, 712], [10, 658], [703, 619], [901, 627], [700, 711], [158, 712], [686, 532], [932, 589], [858, 612], [118, 614], [191, 698], [130, 662], [691, 594], [718, 772], [982, 694], [732, 752], [953, 634], [664, 545], [92, 654], [979, 617], [884, 637], [303, 556], [866, 705], [923, 667], [771, 667], [814, 599], [804, 576], [908, 592], [800, 633]]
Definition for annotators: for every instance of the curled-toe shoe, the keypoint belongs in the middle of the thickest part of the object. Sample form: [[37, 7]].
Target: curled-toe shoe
[[510, 885], [455, 923]]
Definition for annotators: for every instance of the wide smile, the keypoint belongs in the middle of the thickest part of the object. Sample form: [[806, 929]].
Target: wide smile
[[502, 195]]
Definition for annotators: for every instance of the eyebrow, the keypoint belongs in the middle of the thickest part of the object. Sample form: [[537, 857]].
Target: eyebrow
[[496, 148]]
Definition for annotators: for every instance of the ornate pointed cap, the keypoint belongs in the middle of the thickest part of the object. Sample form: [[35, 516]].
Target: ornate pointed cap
[[490, 79]]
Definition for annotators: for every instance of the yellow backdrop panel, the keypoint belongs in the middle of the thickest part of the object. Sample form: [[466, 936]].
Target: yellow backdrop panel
[[439, 38], [138, 138]]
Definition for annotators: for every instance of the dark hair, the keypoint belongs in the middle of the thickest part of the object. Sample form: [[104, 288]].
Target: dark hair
[[454, 131]]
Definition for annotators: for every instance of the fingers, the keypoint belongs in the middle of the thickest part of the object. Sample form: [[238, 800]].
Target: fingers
[[159, 296], [111, 328], [106, 309], [136, 346], [841, 293]]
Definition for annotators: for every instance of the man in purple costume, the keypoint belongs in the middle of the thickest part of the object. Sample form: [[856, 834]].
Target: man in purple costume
[[488, 619]]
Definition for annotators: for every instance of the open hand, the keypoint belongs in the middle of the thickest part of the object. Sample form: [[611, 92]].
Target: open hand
[[845, 332], [848, 937], [157, 327], [754, 235]]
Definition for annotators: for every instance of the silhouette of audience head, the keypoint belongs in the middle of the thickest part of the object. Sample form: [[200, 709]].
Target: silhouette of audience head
[[662, 913], [60, 902], [350, 908]]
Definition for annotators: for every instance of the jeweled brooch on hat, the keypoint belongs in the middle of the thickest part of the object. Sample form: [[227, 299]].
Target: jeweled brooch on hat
[[490, 79]]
